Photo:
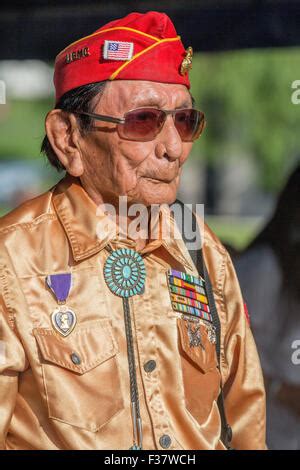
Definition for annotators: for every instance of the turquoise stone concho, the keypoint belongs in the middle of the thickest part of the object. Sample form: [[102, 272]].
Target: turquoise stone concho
[[124, 272]]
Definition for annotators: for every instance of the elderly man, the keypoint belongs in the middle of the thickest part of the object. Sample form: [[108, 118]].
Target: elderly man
[[109, 340]]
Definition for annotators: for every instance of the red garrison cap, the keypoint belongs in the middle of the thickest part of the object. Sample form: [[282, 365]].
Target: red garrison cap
[[137, 47]]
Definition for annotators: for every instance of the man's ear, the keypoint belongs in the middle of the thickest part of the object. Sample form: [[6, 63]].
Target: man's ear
[[63, 134]]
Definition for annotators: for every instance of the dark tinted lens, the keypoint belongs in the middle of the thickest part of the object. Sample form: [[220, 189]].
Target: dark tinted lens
[[142, 124], [189, 124]]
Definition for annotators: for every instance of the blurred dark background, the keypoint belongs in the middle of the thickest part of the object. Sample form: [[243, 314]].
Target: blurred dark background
[[38, 29]]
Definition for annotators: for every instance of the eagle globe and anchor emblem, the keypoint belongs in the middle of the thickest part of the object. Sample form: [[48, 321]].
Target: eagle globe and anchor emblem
[[186, 64]]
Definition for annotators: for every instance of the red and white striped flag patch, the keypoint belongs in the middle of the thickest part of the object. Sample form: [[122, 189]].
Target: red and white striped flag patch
[[117, 50]]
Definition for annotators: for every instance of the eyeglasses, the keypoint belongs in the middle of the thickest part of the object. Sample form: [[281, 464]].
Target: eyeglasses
[[144, 124]]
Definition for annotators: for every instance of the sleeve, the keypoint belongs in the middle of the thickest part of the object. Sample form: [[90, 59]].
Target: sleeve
[[12, 362], [243, 385]]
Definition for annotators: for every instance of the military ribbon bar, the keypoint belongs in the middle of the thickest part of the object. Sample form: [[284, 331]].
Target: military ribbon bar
[[188, 294]]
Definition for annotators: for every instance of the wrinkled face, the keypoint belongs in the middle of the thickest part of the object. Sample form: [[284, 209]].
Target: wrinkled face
[[146, 172]]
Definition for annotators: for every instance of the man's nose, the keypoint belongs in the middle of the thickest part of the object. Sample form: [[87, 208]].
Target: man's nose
[[171, 143]]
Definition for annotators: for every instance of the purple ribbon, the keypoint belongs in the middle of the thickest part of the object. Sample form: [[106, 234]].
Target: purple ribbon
[[60, 284]]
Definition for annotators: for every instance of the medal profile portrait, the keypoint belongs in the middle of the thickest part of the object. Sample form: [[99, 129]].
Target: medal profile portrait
[[64, 320]]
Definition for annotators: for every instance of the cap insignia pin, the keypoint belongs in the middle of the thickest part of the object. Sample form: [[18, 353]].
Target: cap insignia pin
[[186, 64]]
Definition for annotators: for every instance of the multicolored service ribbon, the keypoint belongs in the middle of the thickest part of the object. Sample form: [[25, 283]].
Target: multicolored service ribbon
[[188, 294]]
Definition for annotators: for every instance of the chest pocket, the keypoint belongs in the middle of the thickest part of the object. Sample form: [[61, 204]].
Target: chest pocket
[[200, 374], [80, 373]]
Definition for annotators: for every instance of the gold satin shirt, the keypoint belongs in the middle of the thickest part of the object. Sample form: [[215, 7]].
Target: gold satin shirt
[[48, 402]]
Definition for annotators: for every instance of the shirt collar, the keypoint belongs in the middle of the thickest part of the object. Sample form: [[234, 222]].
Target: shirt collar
[[89, 230]]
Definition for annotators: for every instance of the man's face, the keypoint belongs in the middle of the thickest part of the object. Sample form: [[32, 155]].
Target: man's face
[[146, 172]]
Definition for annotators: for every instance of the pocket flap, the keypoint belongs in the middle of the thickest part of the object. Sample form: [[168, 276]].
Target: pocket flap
[[88, 346], [203, 354]]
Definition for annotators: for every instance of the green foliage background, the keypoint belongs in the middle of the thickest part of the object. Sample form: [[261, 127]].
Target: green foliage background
[[22, 127], [246, 96]]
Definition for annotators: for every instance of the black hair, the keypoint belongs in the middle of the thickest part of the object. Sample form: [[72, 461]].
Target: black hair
[[78, 99]]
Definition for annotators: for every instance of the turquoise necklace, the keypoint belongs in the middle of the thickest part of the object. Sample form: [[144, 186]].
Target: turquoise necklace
[[125, 274]]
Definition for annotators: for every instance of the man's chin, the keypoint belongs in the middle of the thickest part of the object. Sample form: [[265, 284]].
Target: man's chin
[[164, 193]]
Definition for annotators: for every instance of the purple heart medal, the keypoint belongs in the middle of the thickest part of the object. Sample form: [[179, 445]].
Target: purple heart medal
[[63, 318]]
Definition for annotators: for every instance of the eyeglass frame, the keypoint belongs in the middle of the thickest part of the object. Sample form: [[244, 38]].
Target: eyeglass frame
[[115, 120]]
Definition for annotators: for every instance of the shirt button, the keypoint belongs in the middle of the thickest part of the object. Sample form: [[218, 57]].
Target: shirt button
[[75, 359], [149, 366], [165, 441]]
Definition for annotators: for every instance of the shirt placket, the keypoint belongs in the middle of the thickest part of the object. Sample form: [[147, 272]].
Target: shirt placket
[[146, 344]]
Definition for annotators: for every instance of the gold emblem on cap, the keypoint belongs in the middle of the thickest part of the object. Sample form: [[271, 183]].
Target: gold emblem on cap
[[187, 61]]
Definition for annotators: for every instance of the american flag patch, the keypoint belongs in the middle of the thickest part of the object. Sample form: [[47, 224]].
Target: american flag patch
[[117, 50]]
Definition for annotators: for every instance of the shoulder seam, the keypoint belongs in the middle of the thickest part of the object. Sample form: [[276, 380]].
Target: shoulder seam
[[5, 295], [223, 309], [217, 246]]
